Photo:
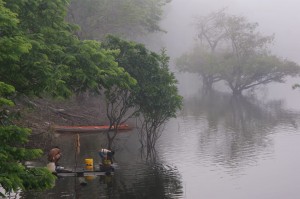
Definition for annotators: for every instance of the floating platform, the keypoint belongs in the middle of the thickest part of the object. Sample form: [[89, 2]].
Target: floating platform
[[82, 129], [81, 172]]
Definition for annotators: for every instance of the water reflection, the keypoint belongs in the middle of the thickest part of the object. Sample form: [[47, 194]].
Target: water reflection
[[218, 147], [235, 129], [135, 177]]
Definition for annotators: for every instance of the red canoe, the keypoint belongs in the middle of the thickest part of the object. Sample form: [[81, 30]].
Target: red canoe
[[79, 129]]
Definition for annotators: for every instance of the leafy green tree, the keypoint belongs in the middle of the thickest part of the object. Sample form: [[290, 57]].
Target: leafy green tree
[[92, 67], [160, 101], [42, 25], [238, 54], [126, 18], [13, 174], [155, 95], [56, 61]]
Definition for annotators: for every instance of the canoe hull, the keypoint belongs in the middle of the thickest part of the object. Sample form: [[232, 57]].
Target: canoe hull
[[82, 129]]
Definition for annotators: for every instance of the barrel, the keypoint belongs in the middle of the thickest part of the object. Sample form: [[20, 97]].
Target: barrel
[[89, 162]]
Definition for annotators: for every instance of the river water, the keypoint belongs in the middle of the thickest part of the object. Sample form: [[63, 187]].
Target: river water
[[219, 147]]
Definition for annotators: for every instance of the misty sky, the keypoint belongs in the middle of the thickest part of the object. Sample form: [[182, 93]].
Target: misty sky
[[281, 17]]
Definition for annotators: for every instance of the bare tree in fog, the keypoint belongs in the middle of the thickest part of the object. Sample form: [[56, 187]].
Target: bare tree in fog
[[204, 59], [231, 49], [205, 63]]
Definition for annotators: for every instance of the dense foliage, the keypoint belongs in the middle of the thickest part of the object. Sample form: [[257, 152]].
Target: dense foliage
[[232, 50], [13, 174], [41, 25], [51, 58]]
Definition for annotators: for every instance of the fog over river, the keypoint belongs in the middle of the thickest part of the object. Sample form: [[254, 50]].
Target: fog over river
[[279, 17], [219, 147], [246, 148]]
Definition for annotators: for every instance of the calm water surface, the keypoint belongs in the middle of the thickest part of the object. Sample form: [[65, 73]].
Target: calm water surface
[[219, 147]]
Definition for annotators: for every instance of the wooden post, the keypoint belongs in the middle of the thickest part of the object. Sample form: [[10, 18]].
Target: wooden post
[[77, 149]]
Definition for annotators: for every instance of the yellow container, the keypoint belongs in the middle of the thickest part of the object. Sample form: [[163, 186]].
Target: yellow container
[[89, 168], [89, 162]]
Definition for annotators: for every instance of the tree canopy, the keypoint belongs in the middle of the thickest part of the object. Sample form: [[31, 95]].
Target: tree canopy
[[155, 94], [233, 50], [41, 24], [47, 57]]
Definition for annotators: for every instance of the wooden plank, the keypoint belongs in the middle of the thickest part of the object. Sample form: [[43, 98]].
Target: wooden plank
[[77, 174]]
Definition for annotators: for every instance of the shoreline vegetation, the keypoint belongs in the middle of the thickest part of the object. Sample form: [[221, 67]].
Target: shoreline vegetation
[[52, 72]]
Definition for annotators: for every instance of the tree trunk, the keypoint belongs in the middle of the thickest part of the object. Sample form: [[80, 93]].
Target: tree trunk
[[207, 83], [110, 138], [237, 91]]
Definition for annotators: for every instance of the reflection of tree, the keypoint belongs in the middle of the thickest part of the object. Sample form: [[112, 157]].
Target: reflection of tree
[[156, 181], [63, 186], [237, 128]]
